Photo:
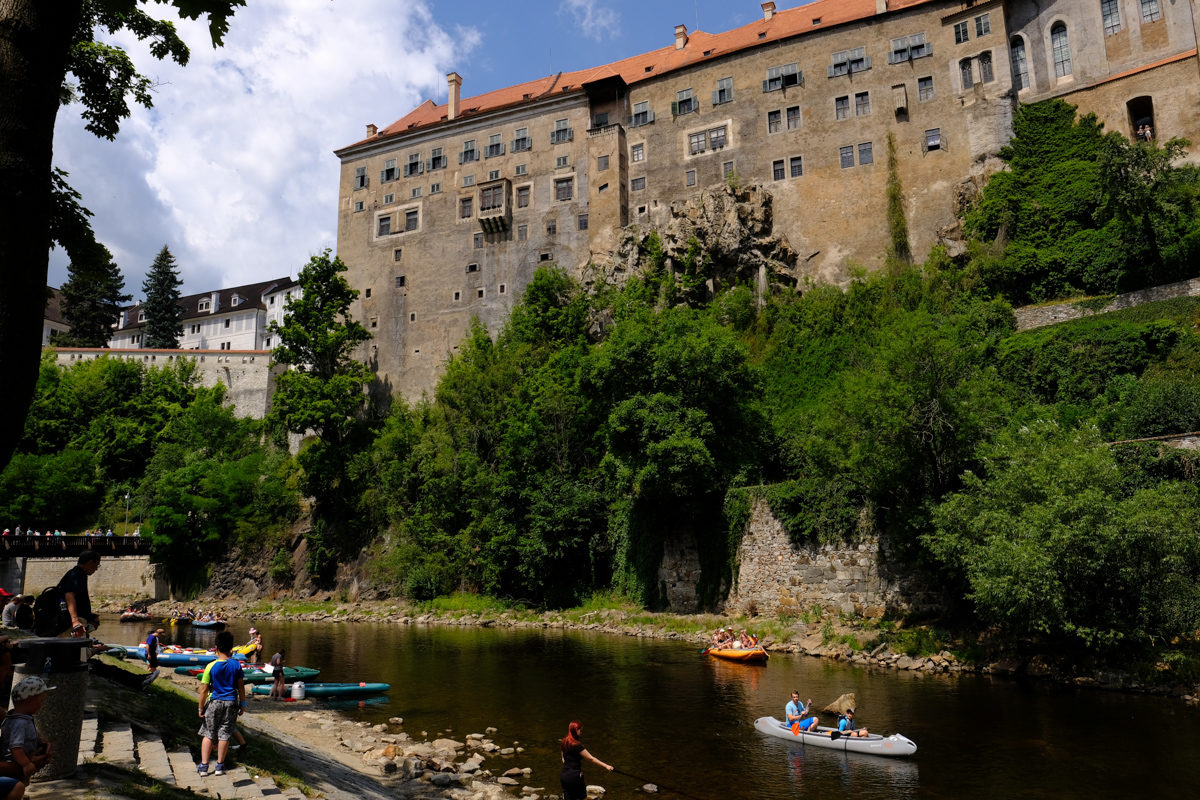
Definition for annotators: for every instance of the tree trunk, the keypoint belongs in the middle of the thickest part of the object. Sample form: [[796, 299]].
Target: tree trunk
[[35, 40]]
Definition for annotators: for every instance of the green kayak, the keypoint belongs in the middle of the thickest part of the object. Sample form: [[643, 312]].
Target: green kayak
[[260, 676]]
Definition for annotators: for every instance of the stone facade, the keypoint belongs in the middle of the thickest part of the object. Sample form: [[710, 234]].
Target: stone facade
[[775, 576], [121, 576], [248, 375], [445, 214]]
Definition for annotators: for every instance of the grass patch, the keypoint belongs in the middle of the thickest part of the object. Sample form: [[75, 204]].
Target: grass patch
[[464, 603], [287, 607], [916, 642]]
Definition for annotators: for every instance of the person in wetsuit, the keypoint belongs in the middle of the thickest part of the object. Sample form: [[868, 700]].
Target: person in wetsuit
[[573, 753]]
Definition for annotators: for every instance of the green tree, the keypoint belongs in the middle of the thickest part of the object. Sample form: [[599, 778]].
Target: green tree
[[92, 298], [164, 314], [323, 393], [41, 45]]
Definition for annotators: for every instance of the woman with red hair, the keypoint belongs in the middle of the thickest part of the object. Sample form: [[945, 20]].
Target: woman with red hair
[[573, 753]]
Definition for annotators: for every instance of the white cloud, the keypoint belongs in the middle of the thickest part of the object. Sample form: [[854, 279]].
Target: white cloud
[[596, 20], [233, 167]]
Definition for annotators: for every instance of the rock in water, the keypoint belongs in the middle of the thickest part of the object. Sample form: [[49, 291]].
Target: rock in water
[[840, 705]]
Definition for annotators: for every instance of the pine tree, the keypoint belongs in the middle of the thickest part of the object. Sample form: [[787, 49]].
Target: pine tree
[[92, 298], [164, 316]]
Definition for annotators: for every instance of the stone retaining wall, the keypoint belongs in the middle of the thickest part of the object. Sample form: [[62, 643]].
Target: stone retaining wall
[[775, 576], [1040, 316], [119, 576]]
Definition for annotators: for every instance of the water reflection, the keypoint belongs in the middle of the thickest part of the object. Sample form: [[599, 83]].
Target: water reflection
[[857, 774]]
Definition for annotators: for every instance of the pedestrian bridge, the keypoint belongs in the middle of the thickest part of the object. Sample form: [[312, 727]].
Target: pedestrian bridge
[[72, 546]]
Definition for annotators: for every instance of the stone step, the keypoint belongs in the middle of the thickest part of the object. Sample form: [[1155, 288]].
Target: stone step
[[116, 744], [152, 758], [89, 734], [185, 769]]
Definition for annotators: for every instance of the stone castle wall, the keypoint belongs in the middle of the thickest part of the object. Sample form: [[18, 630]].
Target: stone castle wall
[[1042, 315], [247, 374]]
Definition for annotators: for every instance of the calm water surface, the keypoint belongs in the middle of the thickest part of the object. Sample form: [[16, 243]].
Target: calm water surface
[[661, 711]]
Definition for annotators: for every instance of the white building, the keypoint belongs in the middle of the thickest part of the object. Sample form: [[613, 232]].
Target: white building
[[226, 319]]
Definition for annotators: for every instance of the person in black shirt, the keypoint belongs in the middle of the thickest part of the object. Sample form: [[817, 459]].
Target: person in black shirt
[[573, 753], [74, 588]]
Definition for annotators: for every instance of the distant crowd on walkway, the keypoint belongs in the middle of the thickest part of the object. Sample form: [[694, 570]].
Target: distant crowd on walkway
[[93, 533]]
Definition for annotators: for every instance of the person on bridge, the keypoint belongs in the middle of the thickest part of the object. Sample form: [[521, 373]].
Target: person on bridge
[[74, 588]]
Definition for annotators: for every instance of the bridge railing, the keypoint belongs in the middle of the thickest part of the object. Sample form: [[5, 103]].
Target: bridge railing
[[64, 546]]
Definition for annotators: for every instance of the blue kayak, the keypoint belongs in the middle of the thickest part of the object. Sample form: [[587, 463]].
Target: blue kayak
[[330, 689]]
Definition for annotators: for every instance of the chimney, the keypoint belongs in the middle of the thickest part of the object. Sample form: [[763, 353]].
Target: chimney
[[455, 82], [680, 36], [768, 11], [215, 299], [372, 129], [881, 6]]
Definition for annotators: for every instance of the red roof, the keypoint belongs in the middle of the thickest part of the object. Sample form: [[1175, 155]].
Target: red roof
[[700, 47]]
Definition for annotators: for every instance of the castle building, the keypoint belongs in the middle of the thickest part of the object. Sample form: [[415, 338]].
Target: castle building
[[445, 214], [227, 319]]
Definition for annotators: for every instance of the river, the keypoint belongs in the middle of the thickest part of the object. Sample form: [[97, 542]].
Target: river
[[661, 711]]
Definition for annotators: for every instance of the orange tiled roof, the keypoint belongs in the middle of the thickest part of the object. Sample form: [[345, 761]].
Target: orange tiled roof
[[700, 47]]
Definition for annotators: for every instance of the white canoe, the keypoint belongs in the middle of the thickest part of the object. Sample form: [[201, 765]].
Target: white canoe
[[892, 746]]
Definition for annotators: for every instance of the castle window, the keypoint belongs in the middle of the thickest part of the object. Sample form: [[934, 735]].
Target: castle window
[[925, 89], [985, 67], [561, 161], [933, 139], [716, 138], [964, 70], [521, 141], [358, 205], [479, 293], [1110, 12], [907, 48], [862, 104], [564, 188], [582, 222], [696, 142], [435, 188], [962, 32], [142, 314], [388, 173], [468, 180], [411, 220], [847, 62], [601, 163], [491, 197], [793, 118], [416, 192], [522, 197], [494, 175], [1151, 12], [413, 318], [796, 166], [637, 153], [465, 207], [561, 133], [367, 292], [469, 153], [847, 156], [360, 177], [226, 322], [637, 184], [777, 171], [983, 24], [397, 254], [472, 268], [400, 279], [522, 232], [1061, 46], [374, 322], [774, 121], [841, 107], [495, 146], [723, 92], [477, 241], [685, 102], [552, 228], [388, 199], [502, 287], [436, 160], [413, 167], [782, 76], [522, 169], [727, 169], [457, 296], [642, 115], [1020, 65], [385, 225], [689, 178], [864, 154]]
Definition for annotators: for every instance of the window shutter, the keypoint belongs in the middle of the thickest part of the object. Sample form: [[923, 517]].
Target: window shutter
[[716, 98], [766, 86], [674, 109], [866, 62], [631, 121], [832, 71], [649, 116]]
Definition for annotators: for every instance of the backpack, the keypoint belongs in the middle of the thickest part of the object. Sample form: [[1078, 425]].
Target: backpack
[[50, 616]]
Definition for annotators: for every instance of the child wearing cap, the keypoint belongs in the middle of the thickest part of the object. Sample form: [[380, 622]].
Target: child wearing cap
[[20, 742]]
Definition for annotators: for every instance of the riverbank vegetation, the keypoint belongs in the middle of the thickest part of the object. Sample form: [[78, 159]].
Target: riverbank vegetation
[[557, 459]]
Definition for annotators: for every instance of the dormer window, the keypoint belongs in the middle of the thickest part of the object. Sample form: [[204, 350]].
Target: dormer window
[[203, 305], [141, 316], [236, 300]]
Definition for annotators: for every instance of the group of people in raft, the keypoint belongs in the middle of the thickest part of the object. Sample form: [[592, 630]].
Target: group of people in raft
[[726, 639], [796, 717]]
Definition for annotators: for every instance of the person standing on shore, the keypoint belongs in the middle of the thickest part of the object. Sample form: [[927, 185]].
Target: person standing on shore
[[227, 703], [74, 589], [277, 675], [573, 753]]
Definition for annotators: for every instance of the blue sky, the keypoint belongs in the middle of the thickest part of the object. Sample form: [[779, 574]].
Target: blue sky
[[233, 168]]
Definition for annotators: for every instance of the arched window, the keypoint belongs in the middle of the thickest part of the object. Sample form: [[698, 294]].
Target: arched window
[[1062, 50], [1020, 66], [986, 73], [1110, 12], [968, 78]]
